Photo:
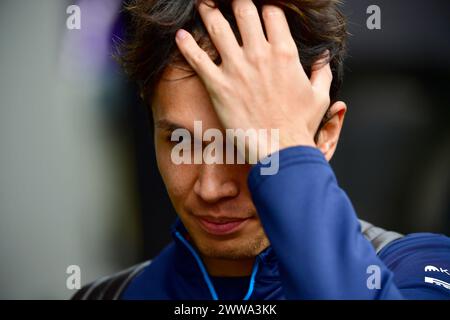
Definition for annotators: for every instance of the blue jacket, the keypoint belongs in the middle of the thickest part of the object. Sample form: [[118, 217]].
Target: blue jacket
[[317, 249]]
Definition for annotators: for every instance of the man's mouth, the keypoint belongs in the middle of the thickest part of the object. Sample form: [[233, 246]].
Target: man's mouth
[[221, 226]]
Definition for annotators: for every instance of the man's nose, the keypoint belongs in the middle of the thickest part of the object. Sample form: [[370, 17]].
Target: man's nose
[[216, 182]]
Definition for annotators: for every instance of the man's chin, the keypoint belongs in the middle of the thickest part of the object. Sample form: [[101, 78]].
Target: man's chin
[[232, 249]]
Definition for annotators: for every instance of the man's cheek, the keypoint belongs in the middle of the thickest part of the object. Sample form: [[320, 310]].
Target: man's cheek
[[163, 156], [179, 179]]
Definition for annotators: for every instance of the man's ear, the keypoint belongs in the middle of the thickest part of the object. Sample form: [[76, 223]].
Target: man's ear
[[331, 130]]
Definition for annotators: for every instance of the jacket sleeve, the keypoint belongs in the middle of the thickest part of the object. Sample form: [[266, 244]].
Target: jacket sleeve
[[421, 264], [314, 231]]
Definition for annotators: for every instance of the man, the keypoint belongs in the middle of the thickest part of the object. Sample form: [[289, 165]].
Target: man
[[242, 234]]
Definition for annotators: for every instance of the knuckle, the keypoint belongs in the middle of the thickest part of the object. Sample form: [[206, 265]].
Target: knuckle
[[216, 29], [324, 98], [198, 57], [270, 11], [242, 10], [286, 52], [257, 56], [245, 11]]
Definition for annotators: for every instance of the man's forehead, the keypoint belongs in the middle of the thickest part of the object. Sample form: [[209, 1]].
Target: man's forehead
[[172, 87], [181, 97], [177, 70]]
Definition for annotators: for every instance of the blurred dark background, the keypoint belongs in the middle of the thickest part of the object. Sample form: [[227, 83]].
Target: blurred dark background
[[78, 178]]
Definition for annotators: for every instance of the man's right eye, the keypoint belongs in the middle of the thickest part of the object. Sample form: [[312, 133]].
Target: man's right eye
[[177, 140]]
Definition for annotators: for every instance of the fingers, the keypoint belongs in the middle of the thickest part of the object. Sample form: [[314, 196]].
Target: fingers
[[219, 31], [196, 56], [249, 24], [277, 27]]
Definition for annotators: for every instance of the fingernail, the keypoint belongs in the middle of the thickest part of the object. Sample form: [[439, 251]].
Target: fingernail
[[181, 34]]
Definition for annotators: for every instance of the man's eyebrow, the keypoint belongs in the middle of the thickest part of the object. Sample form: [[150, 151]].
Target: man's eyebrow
[[168, 125]]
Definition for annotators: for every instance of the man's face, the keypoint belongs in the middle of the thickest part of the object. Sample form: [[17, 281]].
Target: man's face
[[212, 200]]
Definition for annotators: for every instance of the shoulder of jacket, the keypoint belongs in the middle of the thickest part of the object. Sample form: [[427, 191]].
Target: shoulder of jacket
[[110, 287], [378, 237]]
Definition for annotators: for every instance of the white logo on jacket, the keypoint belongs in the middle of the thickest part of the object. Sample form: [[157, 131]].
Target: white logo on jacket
[[430, 268], [437, 282]]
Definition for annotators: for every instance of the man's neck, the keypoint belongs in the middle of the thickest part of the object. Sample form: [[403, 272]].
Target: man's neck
[[229, 268]]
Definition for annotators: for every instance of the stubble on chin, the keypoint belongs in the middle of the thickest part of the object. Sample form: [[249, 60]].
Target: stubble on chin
[[245, 249]]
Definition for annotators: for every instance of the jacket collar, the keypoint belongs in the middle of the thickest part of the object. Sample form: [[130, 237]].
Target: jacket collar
[[189, 265]]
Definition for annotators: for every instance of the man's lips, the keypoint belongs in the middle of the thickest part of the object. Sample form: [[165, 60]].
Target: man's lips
[[221, 226]]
